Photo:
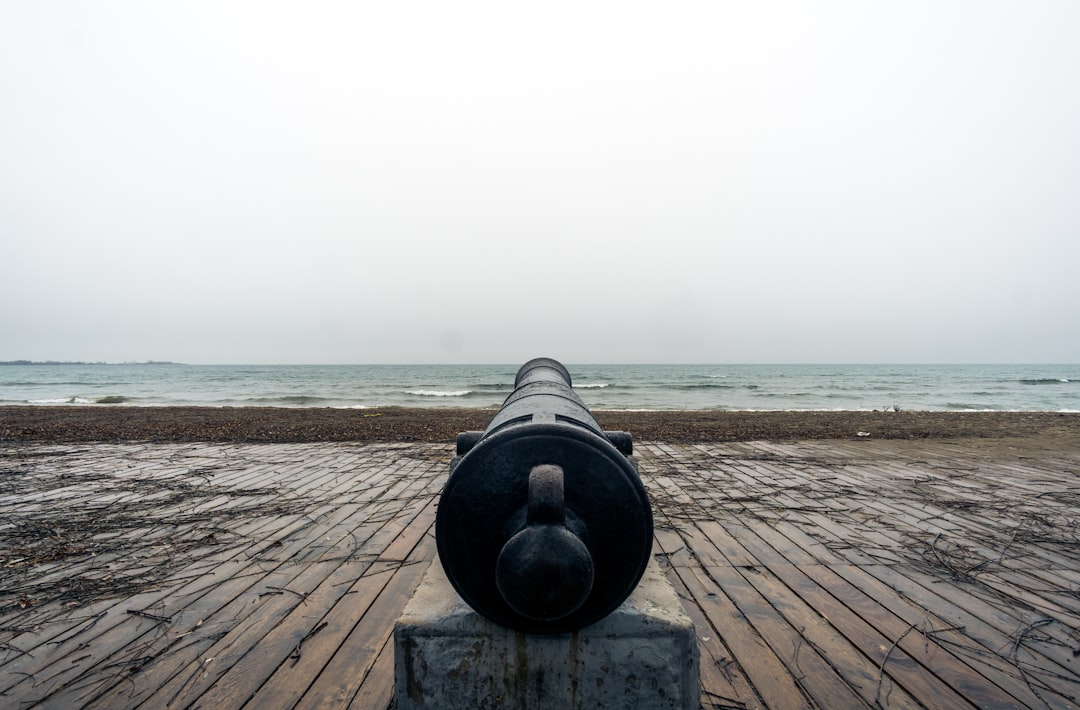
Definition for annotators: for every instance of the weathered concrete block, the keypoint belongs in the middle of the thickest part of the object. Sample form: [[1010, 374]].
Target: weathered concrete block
[[643, 655]]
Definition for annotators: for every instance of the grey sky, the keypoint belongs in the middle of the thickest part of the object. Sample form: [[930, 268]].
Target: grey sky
[[271, 182]]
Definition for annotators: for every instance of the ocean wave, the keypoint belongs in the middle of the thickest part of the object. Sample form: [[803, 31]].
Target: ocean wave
[[630, 409], [293, 400], [701, 386], [967, 407], [60, 400], [67, 383]]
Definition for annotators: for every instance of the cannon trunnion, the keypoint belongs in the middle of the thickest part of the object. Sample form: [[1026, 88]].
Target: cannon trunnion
[[544, 525]]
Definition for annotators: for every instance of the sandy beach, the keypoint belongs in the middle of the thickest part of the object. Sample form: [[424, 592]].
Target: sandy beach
[[301, 425]]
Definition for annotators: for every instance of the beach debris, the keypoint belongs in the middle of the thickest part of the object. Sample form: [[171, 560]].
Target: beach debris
[[148, 615], [101, 534], [295, 655], [862, 434]]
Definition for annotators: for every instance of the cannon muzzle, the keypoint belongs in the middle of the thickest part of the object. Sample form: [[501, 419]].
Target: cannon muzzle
[[544, 525]]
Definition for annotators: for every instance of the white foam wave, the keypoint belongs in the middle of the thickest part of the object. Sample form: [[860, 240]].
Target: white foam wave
[[591, 385], [435, 393], [60, 400]]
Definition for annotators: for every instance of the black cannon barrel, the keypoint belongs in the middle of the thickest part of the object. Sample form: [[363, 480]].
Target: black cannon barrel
[[544, 525]]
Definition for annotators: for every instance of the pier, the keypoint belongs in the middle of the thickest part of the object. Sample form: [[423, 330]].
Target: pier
[[839, 573]]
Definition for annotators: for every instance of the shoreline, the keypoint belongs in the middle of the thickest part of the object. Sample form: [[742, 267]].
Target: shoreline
[[96, 423]]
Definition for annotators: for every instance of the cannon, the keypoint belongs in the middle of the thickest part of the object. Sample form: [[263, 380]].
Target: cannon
[[543, 525]]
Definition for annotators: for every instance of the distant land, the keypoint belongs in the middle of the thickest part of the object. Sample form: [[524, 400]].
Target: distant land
[[77, 362]]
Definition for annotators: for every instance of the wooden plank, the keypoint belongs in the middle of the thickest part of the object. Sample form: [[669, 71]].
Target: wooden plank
[[822, 571], [376, 691], [883, 647], [245, 660], [722, 682], [982, 645], [946, 523], [1007, 583], [343, 675], [1002, 586], [808, 627], [983, 681], [771, 680], [119, 631], [165, 515], [912, 674], [284, 685], [210, 628], [1003, 604], [813, 673]]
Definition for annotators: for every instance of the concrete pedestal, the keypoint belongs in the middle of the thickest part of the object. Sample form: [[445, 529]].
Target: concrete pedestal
[[643, 655]]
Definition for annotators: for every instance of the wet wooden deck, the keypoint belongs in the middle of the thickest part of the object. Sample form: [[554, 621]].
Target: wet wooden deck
[[819, 574]]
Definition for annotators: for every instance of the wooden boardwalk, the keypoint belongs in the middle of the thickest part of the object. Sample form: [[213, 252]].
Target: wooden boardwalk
[[819, 574]]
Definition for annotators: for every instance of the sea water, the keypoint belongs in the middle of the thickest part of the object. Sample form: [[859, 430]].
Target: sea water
[[1052, 388]]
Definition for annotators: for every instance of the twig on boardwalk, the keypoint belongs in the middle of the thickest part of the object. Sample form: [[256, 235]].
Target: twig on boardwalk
[[795, 656], [279, 590], [11, 647], [931, 632], [721, 703], [295, 655], [881, 669], [1025, 631], [1016, 658], [33, 680], [148, 615], [93, 621], [121, 535], [940, 559]]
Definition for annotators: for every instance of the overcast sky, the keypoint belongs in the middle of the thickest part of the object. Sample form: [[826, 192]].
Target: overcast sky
[[355, 182]]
